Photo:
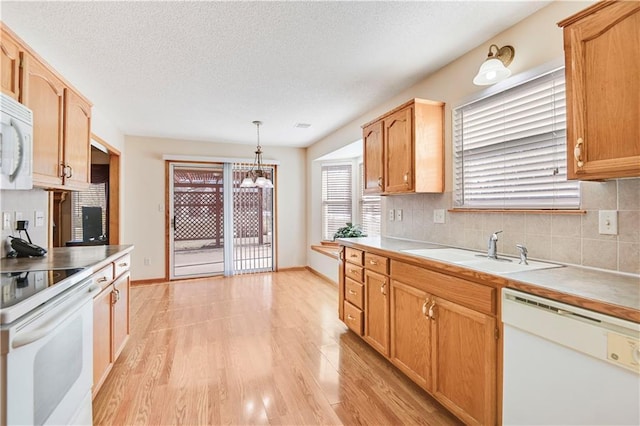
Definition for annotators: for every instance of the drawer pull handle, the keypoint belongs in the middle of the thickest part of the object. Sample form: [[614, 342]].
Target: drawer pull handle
[[382, 288], [350, 318], [123, 264], [373, 262], [577, 153], [103, 279], [352, 292], [353, 255], [115, 296], [380, 181]]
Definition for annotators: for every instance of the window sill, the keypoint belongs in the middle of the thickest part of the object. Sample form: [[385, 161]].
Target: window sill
[[528, 211]]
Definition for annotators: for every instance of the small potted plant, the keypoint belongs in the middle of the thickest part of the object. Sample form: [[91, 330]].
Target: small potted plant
[[349, 231]]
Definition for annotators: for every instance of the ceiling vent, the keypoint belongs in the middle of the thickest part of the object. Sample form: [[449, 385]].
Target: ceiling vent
[[302, 125]]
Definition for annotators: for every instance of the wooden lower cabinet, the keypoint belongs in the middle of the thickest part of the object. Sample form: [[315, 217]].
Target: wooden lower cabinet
[[464, 362], [376, 305], [438, 329], [411, 333], [121, 313], [110, 323], [101, 336]]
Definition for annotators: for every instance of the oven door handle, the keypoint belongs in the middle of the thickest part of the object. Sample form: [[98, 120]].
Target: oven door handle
[[37, 334]]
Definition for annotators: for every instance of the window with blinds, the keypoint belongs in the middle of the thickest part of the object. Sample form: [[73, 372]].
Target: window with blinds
[[369, 209], [337, 198], [95, 196], [510, 149]]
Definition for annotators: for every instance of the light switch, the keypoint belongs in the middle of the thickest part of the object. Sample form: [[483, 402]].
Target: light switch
[[608, 222], [38, 219], [438, 216]]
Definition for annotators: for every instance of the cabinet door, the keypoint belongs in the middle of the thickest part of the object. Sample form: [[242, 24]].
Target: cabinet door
[[44, 95], [464, 362], [398, 148], [373, 162], [77, 141], [120, 313], [376, 314], [602, 55], [10, 65], [411, 332], [101, 337]]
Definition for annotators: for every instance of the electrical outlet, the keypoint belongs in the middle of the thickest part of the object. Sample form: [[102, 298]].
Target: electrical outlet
[[392, 215], [438, 216], [608, 222], [399, 215], [6, 220], [147, 261]]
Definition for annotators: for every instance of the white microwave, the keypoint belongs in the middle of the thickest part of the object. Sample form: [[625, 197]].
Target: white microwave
[[16, 144]]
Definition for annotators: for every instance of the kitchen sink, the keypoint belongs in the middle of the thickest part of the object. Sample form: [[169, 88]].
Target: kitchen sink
[[479, 262]]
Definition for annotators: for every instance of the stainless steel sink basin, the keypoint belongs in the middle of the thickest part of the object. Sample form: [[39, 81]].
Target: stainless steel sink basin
[[477, 261]]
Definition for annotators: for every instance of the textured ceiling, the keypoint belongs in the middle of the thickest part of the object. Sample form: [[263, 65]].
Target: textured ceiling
[[205, 70]]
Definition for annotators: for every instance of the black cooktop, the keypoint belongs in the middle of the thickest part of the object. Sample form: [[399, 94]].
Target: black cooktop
[[16, 287]]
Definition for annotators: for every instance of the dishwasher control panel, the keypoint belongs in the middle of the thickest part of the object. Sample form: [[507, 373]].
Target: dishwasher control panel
[[624, 351]]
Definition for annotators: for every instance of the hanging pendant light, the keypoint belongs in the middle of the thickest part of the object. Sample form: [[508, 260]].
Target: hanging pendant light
[[256, 177]]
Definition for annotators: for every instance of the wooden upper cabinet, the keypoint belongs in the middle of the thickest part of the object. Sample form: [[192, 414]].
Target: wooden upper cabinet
[[10, 62], [398, 145], [44, 95], [77, 141], [412, 149], [464, 362], [602, 59], [373, 159]]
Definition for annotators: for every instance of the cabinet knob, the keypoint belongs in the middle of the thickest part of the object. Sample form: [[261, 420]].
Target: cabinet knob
[[382, 288], [577, 153], [431, 310], [424, 308], [380, 181]]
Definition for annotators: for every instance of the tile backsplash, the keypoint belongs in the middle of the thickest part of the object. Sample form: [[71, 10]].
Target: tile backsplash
[[566, 238]]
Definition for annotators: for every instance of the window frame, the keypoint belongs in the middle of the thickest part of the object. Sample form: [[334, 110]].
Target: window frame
[[505, 203]]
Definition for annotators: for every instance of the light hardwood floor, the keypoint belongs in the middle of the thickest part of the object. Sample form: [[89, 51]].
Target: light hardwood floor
[[253, 349]]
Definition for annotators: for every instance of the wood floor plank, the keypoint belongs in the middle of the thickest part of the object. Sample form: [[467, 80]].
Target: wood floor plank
[[253, 349]]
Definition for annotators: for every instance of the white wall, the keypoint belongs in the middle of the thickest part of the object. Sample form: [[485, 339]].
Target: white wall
[[537, 40], [144, 217]]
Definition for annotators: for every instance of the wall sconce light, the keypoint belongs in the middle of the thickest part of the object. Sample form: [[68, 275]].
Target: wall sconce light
[[494, 68]]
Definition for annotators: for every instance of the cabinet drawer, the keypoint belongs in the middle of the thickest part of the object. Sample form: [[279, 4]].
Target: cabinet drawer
[[354, 293], [472, 295], [121, 265], [373, 262], [354, 272], [354, 256], [353, 317], [104, 276]]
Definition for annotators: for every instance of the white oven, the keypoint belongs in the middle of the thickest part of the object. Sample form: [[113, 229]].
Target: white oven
[[47, 368], [16, 144]]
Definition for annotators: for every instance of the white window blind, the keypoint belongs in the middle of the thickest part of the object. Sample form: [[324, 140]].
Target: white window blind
[[510, 149], [369, 209], [337, 198], [94, 196]]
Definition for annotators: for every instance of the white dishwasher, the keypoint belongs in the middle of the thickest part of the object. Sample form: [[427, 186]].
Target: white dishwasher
[[564, 365]]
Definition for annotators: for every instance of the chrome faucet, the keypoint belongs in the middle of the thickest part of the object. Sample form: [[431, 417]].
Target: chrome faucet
[[523, 253], [492, 251]]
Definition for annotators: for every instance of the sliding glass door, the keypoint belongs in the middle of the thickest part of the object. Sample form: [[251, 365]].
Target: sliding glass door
[[215, 226]]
